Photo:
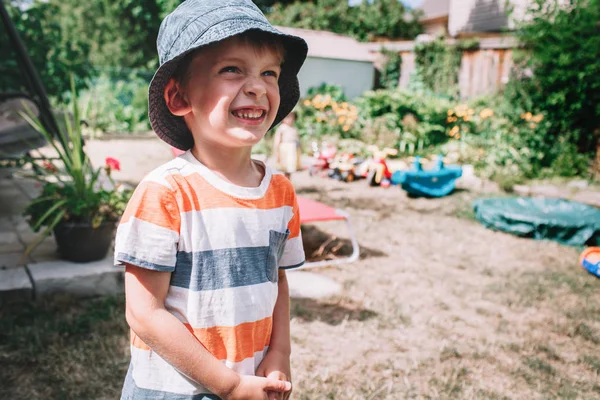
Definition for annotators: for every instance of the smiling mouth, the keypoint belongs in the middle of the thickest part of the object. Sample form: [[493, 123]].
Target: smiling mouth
[[249, 114]]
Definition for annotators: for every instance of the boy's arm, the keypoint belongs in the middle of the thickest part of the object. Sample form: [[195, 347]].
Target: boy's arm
[[145, 292], [276, 364], [280, 336]]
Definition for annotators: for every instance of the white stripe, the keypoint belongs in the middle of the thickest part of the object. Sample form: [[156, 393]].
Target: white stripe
[[249, 365], [222, 307], [147, 242], [293, 253], [151, 371], [225, 228], [177, 166]]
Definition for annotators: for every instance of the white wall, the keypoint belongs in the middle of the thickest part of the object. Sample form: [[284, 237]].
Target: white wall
[[355, 77]]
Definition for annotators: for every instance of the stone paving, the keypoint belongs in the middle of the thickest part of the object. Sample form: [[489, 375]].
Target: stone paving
[[43, 272]]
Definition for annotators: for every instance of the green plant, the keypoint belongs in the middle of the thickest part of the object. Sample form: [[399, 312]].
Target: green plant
[[559, 69], [415, 120], [390, 72], [53, 48], [366, 21], [72, 189], [438, 64], [325, 112], [116, 104], [334, 91]]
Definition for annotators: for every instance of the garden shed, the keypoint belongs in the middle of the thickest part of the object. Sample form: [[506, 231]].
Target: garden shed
[[335, 59]]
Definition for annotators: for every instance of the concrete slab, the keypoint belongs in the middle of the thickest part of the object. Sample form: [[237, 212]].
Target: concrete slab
[[12, 199], [9, 242], [80, 279], [45, 251], [13, 259], [305, 284], [15, 285], [29, 187]]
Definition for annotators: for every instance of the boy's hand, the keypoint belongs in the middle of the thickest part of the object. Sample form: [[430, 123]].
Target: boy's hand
[[256, 388], [276, 365]]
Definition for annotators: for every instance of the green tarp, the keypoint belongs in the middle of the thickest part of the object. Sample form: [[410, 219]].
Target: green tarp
[[567, 222]]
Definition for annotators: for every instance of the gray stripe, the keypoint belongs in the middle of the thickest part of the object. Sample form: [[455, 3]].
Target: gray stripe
[[132, 392], [126, 258], [228, 268], [219, 269], [293, 266]]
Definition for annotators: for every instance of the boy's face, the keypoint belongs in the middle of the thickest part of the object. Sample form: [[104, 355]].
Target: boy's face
[[233, 93]]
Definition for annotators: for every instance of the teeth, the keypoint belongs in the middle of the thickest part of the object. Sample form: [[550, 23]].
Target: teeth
[[249, 114]]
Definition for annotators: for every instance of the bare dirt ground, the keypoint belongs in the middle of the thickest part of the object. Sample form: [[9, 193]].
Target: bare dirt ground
[[438, 307]]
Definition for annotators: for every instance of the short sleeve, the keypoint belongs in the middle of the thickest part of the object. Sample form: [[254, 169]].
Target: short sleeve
[[148, 233], [293, 252]]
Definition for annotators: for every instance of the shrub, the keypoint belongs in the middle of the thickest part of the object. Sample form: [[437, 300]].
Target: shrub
[[366, 21], [416, 120], [114, 104], [324, 112], [562, 45], [390, 72]]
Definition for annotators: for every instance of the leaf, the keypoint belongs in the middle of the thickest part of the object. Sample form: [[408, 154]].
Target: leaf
[[49, 212], [45, 233]]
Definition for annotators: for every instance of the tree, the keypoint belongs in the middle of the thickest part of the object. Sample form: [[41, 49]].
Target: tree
[[366, 21], [54, 49], [562, 48]]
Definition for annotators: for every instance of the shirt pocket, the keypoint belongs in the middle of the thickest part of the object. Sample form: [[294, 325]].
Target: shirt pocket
[[277, 242]]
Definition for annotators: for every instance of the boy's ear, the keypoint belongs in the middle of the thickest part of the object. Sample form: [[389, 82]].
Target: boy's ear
[[175, 98]]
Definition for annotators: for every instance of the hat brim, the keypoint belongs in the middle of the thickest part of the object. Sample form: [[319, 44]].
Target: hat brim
[[173, 130]]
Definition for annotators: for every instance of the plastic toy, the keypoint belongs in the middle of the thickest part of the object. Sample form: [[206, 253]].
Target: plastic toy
[[345, 167], [436, 182], [322, 158], [378, 172], [590, 260]]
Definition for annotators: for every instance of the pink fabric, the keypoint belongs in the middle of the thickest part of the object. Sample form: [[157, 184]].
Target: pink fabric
[[311, 211]]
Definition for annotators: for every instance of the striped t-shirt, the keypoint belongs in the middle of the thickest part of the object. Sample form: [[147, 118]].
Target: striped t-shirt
[[223, 245]]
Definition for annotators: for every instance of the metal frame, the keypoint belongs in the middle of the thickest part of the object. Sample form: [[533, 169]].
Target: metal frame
[[31, 76], [339, 261]]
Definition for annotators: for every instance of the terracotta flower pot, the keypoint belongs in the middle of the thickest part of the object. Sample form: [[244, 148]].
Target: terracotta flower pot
[[80, 242]]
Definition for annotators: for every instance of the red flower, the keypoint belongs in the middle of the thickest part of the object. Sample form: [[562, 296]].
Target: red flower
[[113, 163], [49, 166]]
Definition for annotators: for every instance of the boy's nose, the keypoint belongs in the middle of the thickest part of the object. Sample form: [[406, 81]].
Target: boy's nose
[[255, 87]]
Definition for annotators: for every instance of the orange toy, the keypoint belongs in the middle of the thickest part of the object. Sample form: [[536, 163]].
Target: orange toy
[[590, 260]]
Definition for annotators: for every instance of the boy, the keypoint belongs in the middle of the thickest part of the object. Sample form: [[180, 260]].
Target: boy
[[206, 237]]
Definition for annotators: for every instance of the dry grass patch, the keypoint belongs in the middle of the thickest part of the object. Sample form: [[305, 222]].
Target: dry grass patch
[[63, 349]]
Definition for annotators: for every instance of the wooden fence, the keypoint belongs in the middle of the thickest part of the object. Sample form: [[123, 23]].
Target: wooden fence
[[482, 71]]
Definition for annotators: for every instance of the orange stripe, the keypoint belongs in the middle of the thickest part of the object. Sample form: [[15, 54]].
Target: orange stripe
[[294, 224], [231, 343], [279, 193], [154, 203]]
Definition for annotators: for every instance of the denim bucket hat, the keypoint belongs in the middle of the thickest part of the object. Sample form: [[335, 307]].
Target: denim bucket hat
[[197, 23]]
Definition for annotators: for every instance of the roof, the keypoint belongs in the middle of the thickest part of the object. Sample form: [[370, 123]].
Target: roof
[[323, 44], [433, 9]]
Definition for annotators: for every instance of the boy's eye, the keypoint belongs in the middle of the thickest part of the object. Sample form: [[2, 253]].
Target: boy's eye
[[230, 68], [270, 73]]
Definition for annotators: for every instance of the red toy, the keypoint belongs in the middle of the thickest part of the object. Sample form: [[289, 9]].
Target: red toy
[[321, 158], [378, 173]]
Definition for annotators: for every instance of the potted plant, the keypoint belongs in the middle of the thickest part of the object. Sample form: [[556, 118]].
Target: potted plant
[[79, 203]]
